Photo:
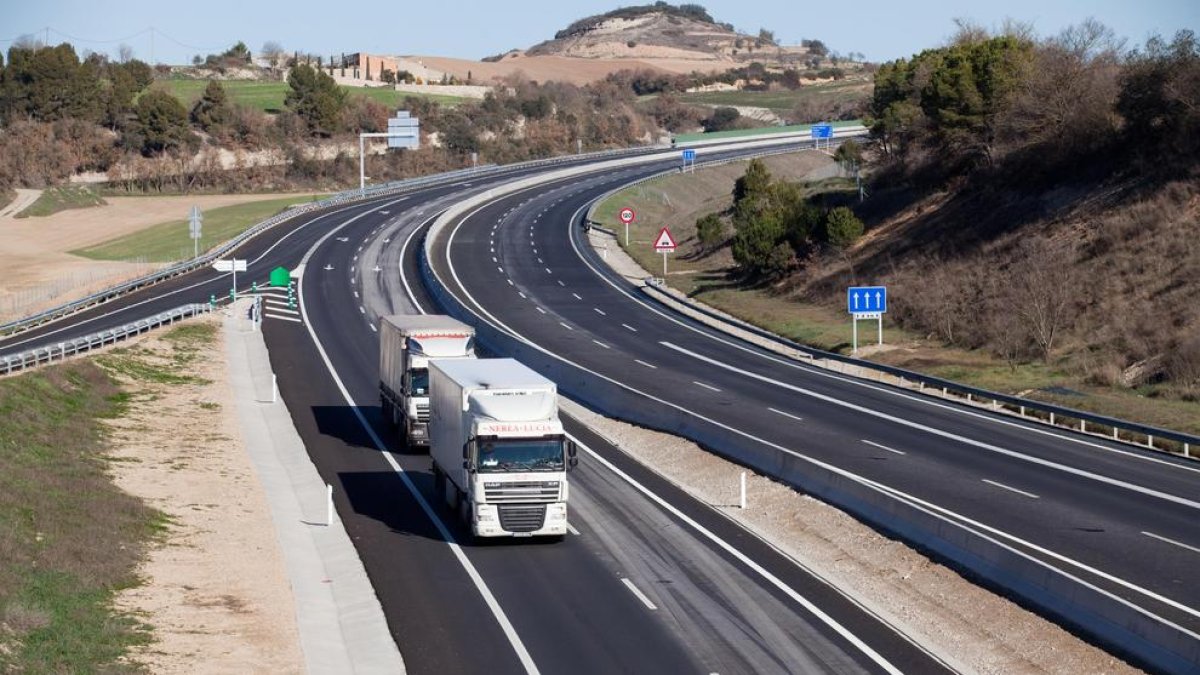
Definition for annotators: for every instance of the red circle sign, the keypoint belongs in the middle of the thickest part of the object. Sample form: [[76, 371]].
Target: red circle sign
[[627, 215]]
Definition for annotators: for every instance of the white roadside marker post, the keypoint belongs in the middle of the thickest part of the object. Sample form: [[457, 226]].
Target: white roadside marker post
[[742, 502], [328, 505]]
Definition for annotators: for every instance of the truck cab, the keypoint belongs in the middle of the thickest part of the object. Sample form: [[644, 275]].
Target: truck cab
[[407, 343]]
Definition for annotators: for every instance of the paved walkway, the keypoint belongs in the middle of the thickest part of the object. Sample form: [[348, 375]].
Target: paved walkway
[[342, 626]]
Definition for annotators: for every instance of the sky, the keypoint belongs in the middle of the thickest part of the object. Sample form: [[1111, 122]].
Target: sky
[[172, 32]]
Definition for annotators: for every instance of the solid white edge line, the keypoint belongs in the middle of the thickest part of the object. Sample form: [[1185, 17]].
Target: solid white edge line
[[884, 447], [786, 414], [938, 432], [572, 530], [1171, 541], [1002, 486], [956, 519], [488, 598], [640, 596], [745, 560], [1058, 434]]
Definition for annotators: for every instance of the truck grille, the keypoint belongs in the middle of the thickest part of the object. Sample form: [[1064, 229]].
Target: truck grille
[[526, 492], [422, 412], [522, 518]]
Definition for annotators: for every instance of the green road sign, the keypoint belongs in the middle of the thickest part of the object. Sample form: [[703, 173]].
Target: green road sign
[[280, 277]]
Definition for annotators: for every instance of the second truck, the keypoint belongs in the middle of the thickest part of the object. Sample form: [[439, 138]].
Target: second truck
[[407, 342]]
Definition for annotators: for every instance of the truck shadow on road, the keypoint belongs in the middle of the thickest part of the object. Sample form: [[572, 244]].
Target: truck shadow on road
[[341, 422]]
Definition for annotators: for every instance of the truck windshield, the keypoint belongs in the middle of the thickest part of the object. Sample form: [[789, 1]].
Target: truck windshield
[[520, 454], [419, 381]]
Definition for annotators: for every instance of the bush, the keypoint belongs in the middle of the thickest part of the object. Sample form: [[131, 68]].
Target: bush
[[842, 227], [710, 231]]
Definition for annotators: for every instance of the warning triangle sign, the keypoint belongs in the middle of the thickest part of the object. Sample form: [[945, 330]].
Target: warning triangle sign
[[664, 242]]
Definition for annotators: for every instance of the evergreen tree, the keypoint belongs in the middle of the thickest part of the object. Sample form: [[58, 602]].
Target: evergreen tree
[[316, 98], [842, 227], [212, 112], [162, 123]]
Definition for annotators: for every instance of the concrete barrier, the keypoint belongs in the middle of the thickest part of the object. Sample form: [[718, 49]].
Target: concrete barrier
[[1106, 617]]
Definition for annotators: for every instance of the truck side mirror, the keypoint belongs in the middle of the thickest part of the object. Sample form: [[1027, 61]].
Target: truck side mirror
[[466, 452], [572, 463], [571, 449]]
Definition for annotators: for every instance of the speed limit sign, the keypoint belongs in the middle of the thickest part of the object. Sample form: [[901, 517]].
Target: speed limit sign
[[627, 215]]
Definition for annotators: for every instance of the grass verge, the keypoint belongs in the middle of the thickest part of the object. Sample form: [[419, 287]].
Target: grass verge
[[784, 101], [69, 538], [269, 96], [678, 200], [168, 242], [55, 199]]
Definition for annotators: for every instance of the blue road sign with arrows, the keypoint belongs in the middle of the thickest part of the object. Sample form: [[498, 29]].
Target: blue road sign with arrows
[[866, 299], [822, 131], [689, 155]]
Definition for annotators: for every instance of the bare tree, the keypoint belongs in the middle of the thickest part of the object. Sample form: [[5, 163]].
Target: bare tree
[[28, 41], [124, 53], [274, 53], [1042, 290]]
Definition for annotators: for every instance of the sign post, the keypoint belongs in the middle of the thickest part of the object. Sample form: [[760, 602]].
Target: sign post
[[627, 216], [194, 221], [865, 303], [689, 158], [664, 244], [822, 131], [231, 265]]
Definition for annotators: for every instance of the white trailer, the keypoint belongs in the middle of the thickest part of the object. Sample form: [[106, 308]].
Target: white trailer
[[406, 344], [500, 456]]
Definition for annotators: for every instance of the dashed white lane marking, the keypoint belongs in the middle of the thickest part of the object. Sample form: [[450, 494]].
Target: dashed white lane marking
[[706, 386], [361, 310], [355, 294], [648, 365], [540, 310], [629, 327], [1002, 486], [1171, 541], [560, 283], [548, 271], [600, 311], [884, 447], [373, 328], [565, 325], [572, 530], [541, 262], [522, 294], [640, 596], [510, 283], [576, 296], [601, 344], [786, 414], [501, 269]]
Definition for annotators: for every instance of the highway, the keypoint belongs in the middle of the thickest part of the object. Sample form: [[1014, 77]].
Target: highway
[[1118, 518], [654, 580]]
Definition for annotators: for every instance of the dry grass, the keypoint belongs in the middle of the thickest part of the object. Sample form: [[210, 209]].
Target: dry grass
[[68, 537]]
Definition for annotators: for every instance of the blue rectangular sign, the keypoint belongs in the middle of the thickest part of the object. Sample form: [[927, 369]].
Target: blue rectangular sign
[[866, 299], [689, 155], [822, 131]]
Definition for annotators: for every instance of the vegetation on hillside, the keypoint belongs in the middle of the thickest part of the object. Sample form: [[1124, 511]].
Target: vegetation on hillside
[[684, 11]]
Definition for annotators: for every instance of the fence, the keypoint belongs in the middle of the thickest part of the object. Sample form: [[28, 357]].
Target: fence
[[61, 350]]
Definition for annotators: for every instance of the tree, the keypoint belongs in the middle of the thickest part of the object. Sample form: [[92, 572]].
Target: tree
[[1160, 96], [842, 228], [273, 52], [316, 98], [754, 182], [766, 36], [710, 231], [124, 53], [162, 123], [722, 119], [755, 241], [212, 112]]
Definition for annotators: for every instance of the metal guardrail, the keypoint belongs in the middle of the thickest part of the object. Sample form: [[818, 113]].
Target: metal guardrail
[[61, 350], [1018, 405], [1023, 407]]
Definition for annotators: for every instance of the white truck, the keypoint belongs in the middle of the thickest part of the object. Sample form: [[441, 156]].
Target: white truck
[[406, 344], [500, 457]]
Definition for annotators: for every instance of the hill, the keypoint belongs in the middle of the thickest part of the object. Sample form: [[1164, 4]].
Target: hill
[[677, 40]]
